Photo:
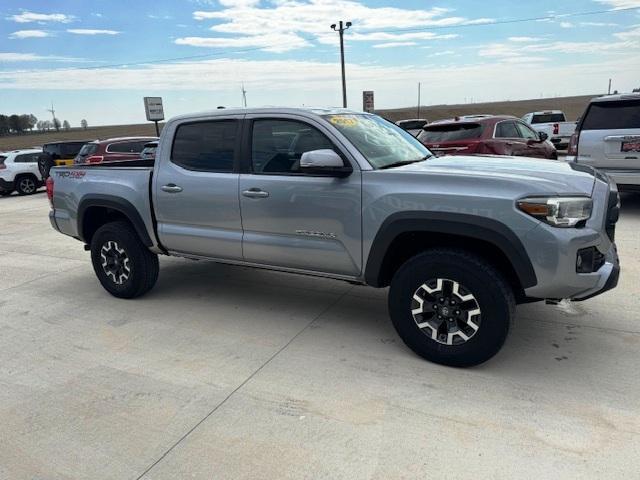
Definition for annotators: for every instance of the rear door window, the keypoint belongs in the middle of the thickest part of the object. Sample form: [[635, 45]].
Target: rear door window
[[27, 158], [507, 130], [2, 159], [450, 132], [614, 115], [207, 146]]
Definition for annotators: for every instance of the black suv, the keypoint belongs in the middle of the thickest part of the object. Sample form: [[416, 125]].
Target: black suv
[[58, 153]]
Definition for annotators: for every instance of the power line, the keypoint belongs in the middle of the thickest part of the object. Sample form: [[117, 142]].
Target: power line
[[469, 24]]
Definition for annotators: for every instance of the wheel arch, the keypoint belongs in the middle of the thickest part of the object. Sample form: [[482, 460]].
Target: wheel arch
[[403, 235], [97, 210]]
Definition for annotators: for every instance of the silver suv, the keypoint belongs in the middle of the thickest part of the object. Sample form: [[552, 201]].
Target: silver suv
[[608, 138]]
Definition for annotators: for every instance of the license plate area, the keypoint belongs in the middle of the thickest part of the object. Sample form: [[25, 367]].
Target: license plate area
[[627, 147]]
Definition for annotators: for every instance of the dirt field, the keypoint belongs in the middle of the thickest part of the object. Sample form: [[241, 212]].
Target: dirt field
[[573, 107], [27, 140]]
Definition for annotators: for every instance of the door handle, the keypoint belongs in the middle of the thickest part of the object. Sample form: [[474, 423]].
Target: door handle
[[255, 193], [171, 188]]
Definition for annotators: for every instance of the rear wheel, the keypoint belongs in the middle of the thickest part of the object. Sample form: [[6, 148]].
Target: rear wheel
[[123, 264], [26, 185], [451, 307]]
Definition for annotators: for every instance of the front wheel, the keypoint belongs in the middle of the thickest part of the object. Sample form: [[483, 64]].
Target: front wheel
[[451, 307], [123, 264]]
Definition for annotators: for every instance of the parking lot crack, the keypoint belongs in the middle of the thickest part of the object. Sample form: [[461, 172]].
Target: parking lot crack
[[244, 382]]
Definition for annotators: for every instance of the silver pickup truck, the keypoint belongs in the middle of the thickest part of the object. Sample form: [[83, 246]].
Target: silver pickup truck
[[459, 240]]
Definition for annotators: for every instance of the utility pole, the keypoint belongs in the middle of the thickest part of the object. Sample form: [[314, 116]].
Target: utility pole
[[340, 28], [609, 92], [419, 86], [244, 96]]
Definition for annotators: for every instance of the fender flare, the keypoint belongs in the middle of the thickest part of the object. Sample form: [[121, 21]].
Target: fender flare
[[114, 203], [460, 224]]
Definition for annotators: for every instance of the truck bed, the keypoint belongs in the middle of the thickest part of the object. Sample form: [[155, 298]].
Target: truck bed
[[126, 184]]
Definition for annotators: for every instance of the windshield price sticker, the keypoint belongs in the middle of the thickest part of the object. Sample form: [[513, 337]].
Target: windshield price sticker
[[344, 120]]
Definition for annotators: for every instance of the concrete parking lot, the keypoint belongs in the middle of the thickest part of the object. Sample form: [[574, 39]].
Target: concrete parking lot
[[225, 373]]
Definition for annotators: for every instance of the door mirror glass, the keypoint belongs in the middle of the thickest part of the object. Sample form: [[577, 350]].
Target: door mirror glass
[[324, 162], [543, 136]]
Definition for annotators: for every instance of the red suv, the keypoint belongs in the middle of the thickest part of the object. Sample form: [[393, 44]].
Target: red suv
[[486, 134], [113, 150]]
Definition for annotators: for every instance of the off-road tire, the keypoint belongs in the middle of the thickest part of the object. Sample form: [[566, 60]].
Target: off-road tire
[[492, 295], [143, 266], [26, 184]]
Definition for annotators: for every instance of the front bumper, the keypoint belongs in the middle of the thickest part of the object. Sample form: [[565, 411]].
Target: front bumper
[[6, 186], [554, 252], [610, 283]]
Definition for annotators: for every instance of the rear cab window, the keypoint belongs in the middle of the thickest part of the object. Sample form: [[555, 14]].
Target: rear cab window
[[2, 159], [612, 115], [206, 146], [548, 118], [450, 132]]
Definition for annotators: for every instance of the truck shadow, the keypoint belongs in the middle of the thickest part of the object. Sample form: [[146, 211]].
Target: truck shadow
[[630, 203], [545, 345]]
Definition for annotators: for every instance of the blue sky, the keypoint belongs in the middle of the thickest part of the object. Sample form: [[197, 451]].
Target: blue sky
[[90, 57]]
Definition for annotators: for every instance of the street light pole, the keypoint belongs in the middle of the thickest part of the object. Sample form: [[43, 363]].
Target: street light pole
[[340, 28]]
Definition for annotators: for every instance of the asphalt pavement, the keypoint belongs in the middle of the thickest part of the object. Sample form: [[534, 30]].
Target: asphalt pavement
[[225, 372]]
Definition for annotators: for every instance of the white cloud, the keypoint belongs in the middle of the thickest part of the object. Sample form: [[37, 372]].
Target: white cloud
[[618, 4], [442, 53], [598, 24], [524, 39], [312, 18], [566, 25], [633, 34], [32, 57], [272, 42], [20, 34], [394, 44], [28, 17], [92, 31], [291, 82]]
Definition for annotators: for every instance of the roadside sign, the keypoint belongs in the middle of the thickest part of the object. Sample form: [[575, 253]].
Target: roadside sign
[[153, 109], [367, 101]]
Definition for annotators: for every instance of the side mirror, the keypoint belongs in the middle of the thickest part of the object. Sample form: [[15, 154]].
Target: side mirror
[[324, 162], [543, 136]]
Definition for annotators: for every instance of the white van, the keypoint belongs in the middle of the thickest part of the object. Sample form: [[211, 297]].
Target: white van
[[608, 138]]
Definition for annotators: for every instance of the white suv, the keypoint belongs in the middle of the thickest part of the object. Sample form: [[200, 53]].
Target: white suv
[[608, 138], [19, 171]]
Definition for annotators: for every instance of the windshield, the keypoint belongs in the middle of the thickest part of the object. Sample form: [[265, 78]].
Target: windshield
[[450, 132], [381, 142], [412, 124], [88, 149]]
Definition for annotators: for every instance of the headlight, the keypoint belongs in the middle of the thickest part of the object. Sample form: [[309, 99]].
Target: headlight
[[558, 211]]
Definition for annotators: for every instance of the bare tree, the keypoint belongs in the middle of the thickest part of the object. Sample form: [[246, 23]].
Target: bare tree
[[66, 125], [84, 124]]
